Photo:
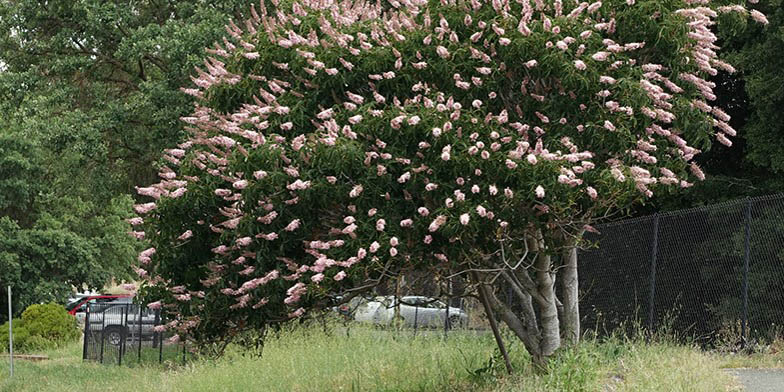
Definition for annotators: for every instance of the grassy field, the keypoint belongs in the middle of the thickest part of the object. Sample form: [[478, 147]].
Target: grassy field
[[308, 359]]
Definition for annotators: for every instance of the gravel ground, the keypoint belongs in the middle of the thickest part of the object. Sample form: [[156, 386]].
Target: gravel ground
[[760, 380]]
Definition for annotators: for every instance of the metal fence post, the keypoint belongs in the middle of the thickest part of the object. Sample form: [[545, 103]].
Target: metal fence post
[[416, 317], [446, 318], [10, 334], [654, 251], [124, 323], [103, 325], [746, 257], [85, 349], [139, 355], [159, 320]]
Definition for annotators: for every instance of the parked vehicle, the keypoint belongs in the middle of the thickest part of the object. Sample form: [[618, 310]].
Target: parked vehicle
[[416, 311], [120, 320], [78, 305]]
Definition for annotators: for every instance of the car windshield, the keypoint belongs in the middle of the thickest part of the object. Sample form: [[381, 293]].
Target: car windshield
[[73, 303]]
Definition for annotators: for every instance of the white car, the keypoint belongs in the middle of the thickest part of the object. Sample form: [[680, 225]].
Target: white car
[[415, 311]]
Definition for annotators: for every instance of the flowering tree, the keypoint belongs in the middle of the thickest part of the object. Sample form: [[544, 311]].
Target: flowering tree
[[334, 142]]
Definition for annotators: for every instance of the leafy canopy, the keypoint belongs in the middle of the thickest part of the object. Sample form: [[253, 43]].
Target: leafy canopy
[[334, 141]]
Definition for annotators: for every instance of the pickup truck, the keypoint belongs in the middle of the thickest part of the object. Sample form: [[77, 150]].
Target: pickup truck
[[121, 320]]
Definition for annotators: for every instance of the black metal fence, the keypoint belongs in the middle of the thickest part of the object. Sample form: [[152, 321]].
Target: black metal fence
[[706, 272], [126, 333]]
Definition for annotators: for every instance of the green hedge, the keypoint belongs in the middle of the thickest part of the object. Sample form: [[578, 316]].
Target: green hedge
[[41, 327]]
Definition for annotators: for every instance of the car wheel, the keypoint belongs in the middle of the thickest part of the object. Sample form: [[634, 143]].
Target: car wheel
[[455, 322], [113, 335]]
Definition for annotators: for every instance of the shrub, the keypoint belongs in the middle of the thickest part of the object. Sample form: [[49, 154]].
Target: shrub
[[41, 327]]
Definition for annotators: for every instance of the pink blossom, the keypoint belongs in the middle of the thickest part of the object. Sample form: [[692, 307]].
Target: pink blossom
[[381, 224], [428, 239], [297, 313], [259, 174], [153, 192], [437, 223], [222, 192], [579, 65], [697, 171], [600, 56], [406, 223], [147, 252], [317, 278], [446, 153], [183, 297], [539, 192], [293, 225], [241, 184], [374, 247], [356, 191], [144, 208], [591, 192], [442, 51], [759, 17], [393, 252], [464, 219], [244, 241], [231, 223], [339, 276]]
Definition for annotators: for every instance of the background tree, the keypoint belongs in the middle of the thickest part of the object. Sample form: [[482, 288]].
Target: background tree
[[750, 167], [338, 142], [89, 98]]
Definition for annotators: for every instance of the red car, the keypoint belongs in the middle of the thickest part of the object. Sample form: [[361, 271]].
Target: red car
[[79, 305]]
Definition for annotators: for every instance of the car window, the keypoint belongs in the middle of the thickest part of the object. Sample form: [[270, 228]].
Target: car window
[[73, 303]]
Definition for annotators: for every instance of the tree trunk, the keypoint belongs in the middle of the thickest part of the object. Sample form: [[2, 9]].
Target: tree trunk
[[571, 309], [484, 296], [550, 339]]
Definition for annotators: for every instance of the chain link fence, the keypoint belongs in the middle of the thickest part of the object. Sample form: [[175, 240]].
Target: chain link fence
[[126, 333], [709, 273]]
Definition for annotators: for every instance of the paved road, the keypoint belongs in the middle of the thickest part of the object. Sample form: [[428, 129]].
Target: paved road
[[760, 380]]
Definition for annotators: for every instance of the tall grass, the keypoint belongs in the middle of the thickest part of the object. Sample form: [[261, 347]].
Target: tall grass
[[369, 359]]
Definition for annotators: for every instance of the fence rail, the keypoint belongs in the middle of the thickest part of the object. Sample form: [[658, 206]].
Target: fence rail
[[703, 272]]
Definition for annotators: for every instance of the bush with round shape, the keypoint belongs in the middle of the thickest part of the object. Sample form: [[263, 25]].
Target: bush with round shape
[[41, 327], [338, 142]]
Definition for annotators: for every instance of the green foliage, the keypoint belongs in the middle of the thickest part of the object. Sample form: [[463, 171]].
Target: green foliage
[[89, 97], [756, 53], [42, 327]]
